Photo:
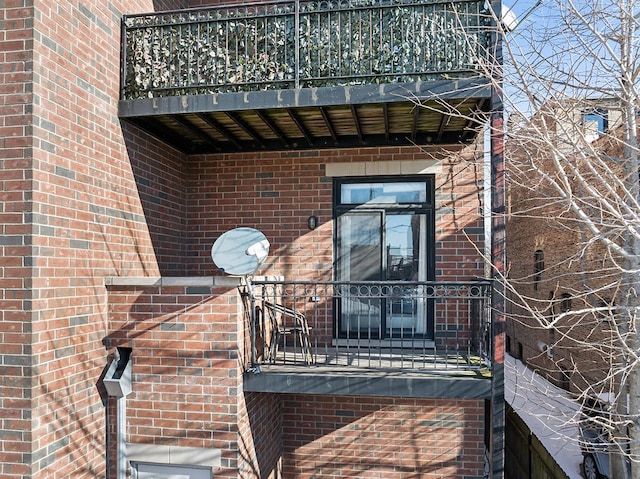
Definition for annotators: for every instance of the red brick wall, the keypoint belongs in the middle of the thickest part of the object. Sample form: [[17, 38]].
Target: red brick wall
[[459, 225], [16, 60], [71, 215], [159, 173], [276, 193], [87, 223], [332, 437], [564, 260], [273, 192], [574, 264], [186, 369], [260, 426]]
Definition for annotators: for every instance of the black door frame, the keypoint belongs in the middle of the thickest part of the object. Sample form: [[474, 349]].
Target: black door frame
[[427, 208]]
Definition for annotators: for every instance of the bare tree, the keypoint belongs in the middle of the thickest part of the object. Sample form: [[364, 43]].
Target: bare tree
[[571, 83]]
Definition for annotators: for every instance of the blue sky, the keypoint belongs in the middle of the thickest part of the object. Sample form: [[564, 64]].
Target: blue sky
[[564, 47]]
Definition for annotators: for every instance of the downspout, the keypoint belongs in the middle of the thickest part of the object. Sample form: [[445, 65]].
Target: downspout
[[121, 451], [498, 251], [117, 382]]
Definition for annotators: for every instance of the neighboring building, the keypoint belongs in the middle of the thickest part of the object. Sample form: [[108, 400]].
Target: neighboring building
[[566, 279], [296, 119]]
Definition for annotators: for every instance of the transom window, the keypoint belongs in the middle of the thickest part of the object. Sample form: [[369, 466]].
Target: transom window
[[401, 192]]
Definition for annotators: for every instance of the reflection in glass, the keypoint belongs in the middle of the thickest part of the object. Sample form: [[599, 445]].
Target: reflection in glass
[[380, 193]]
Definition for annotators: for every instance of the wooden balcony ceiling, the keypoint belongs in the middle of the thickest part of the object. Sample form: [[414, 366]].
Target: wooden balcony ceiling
[[423, 113]]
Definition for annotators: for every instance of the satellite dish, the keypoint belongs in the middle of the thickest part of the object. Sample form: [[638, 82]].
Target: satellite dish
[[509, 19], [240, 252]]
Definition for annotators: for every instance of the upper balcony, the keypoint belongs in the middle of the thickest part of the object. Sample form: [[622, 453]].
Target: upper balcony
[[309, 74]]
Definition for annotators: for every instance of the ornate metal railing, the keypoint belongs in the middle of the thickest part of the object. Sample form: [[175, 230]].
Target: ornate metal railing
[[302, 44], [392, 325]]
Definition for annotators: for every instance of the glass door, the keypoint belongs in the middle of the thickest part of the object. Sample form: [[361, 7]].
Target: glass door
[[382, 246], [384, 233]]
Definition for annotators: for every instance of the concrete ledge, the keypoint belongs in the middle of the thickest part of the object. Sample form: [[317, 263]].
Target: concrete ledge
[[377, 168], [210, 281]]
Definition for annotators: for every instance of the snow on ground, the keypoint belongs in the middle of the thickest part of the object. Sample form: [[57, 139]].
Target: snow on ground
[[548, 411]]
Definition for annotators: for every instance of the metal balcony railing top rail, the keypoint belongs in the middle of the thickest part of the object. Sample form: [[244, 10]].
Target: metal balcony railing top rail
[[391, 325], [302, 44]]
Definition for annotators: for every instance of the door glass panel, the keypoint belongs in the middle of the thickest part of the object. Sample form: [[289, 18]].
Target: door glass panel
[[360, 259], [405, 240]]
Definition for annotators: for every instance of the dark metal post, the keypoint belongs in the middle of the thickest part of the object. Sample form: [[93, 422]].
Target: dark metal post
[[124, 38], [297, 42], [498, 252], [252, 316]]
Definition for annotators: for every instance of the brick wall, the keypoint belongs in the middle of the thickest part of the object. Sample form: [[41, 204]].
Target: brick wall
[[332, 437], [187, 378], [563, 261], [71, 215], [16, 61], [260, 427], [459, 225], [273, 192], [187, 370], [87, 223], [159, 173], [575, 349], [276, 192]]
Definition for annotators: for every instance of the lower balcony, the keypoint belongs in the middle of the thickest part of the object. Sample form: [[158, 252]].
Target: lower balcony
[[394, 338]]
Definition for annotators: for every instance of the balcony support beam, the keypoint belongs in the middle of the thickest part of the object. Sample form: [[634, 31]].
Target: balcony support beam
[[273, 127], [328, 117], [441, 90], [416, 115], [197, 132], [233, 116], [327, 121], [385, 114], [477, 118], [176, 119], [300, 125], [220, 129], [356, 121], [444, 121]]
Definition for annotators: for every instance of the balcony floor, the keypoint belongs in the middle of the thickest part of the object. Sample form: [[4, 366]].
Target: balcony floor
[[390, 374]]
